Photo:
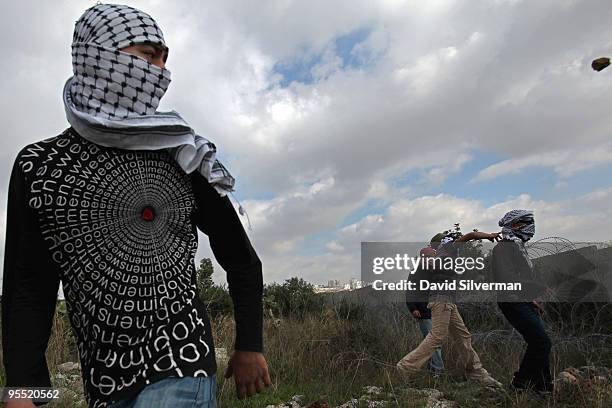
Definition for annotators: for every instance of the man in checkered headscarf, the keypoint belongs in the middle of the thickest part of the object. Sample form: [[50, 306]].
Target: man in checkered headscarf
[[511, 263], [112, 98], [110, 209], [118, 57]]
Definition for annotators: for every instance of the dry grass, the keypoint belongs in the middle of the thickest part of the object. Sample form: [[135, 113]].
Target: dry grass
[[327, 357]]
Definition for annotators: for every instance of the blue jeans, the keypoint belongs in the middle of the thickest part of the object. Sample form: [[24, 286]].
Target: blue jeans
[[435, 364], [176, 392], [534, 370]]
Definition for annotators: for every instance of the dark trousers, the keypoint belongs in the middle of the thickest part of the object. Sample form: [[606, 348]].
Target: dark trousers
[[534, 370]]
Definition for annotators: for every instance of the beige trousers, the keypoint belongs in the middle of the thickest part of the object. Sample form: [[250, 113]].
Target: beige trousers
[[445, 321]]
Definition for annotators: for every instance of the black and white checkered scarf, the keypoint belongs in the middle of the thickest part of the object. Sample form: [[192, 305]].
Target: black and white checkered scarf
[[112, 98], [520, 235]]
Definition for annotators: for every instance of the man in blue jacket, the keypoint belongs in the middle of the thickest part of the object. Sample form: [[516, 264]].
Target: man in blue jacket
[[420, 311]]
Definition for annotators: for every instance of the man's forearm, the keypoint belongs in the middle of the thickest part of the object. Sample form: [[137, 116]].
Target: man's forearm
[[470, 236]]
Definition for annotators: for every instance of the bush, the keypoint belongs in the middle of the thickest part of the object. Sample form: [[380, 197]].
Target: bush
[[294, 298], [215, 297]]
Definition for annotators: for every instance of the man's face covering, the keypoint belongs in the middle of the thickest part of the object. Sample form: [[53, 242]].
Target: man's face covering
[[112, 98], [108, 82], [523, 233]]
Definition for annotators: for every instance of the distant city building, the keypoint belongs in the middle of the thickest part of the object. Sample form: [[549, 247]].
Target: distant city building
[[355, 284], [333, 283]]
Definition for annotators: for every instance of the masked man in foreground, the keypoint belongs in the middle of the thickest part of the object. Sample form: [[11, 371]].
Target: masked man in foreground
[[111, 208]]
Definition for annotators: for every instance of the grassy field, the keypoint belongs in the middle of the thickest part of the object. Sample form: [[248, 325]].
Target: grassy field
[[330, 356]]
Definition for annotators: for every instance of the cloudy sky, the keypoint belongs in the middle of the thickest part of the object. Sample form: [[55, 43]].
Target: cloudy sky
[[350, 121]]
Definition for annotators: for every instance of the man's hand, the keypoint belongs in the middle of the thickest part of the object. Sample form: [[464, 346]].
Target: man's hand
[[538, 307], [493, 236], [250, 371], [416, 314]]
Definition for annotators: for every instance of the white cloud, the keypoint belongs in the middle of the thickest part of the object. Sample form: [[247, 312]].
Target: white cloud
[[598, 195], [564, 163], [418, 219], [442, 80]]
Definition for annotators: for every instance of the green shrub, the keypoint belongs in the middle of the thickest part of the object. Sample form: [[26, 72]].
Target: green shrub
[[294, 298], [215, 297]]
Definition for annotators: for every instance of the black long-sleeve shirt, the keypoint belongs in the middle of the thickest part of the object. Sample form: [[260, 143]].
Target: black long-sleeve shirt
[[510, 265], [118, 229]]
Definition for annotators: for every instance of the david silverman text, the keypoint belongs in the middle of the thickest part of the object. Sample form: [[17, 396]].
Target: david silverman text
[[464, 284]]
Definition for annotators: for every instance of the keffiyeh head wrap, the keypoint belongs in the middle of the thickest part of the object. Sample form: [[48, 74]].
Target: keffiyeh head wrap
[[446, 247], [447, 239], [522, 234], [112, 98]]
